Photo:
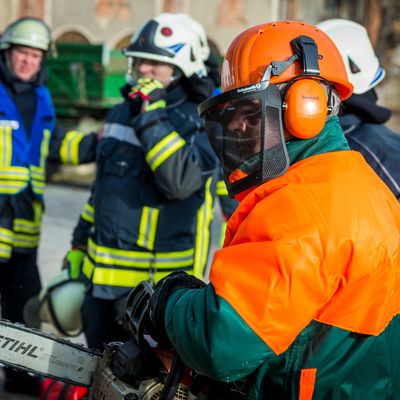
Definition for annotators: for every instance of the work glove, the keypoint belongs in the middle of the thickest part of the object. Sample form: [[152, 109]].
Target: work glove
[[73, 263], [158, 302], [150, 92]]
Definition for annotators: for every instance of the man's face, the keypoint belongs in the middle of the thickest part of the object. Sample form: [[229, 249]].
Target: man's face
[[156, 70], [26, 62], [245, 127]]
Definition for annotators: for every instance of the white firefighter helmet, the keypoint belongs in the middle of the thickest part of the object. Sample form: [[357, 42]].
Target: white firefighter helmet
[[60, 304], [359, 57], [199, 31], [27, 31], [167, 39]]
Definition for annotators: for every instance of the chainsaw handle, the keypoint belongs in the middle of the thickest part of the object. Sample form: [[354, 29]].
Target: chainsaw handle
[[136, 314]]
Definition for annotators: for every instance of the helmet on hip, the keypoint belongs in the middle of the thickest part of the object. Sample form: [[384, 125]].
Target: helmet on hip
[[60, 304]]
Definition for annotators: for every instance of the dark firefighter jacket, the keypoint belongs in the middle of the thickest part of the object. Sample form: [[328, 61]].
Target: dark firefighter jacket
[[363, 122], [152, 200], [304, 298], [27, 140]]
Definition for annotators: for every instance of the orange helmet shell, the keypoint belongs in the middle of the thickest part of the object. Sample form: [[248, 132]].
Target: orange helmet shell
[[256, 48]]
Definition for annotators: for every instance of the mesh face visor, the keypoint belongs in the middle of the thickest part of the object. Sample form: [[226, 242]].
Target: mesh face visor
[[244, 127]]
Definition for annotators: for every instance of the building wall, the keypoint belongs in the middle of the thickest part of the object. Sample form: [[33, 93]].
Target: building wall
[[109, 21], [114, 21]]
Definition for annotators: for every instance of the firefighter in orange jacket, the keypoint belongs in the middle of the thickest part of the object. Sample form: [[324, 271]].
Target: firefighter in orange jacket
[[304, 298]]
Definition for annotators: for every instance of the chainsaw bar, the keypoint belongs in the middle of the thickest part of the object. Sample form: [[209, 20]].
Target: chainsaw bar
[[47, 355]]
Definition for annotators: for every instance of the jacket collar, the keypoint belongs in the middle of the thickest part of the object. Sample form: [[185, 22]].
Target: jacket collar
[[330, 139]]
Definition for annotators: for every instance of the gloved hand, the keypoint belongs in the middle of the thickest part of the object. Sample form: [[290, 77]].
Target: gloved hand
[[158, 301], [73, 263], [151, 92]]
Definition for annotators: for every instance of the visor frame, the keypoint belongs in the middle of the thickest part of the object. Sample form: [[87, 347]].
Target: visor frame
[[233, 94], [270, 97]]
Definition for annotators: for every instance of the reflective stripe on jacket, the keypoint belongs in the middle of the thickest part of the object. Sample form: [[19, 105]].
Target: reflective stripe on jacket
[[23, 157], [152, 201]]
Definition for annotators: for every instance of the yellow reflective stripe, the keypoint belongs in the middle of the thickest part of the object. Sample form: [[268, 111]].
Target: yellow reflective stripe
[[123, 277], [21, 240], [87, 267], [38, 186], [14, 177], [5, 250], [38, 171], [156, 104], [38, 179], [5, 146], [38, 190], [204, 217], [12, 187], [26, 226], [38, 176], [15, 173], [222, 234], [69, 151], [6, 236], [37, 209], [140, 259], [44, 148], [164, 149], [221, 189], [148, 227], [88, 213], [15, 170]]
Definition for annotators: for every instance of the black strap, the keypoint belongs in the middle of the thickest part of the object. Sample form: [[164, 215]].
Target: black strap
[[306, 48], [173, 379]]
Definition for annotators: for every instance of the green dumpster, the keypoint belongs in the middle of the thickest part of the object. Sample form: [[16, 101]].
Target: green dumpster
[[85, 79]]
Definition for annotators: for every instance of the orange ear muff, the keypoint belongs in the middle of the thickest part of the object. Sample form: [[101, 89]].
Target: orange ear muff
[[306, 108]]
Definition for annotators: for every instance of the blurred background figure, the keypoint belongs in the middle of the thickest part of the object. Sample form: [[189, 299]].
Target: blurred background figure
[[362, 119], [152, 200], [27, 139]]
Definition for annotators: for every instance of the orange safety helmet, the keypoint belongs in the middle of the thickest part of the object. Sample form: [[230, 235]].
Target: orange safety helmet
[[250, 54], [245, 123]]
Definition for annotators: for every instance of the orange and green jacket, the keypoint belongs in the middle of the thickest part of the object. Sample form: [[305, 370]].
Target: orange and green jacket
[[304, 297]]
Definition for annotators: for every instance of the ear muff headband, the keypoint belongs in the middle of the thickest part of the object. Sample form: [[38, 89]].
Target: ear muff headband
[[305, 108]]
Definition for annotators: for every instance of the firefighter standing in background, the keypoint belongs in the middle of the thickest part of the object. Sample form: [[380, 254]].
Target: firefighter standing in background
[[304, 298], [27, 139], [152, 201], [362, 119]]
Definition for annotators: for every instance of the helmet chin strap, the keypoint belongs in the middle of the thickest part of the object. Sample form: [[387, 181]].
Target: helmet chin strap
[[175, 78], [177, 75]]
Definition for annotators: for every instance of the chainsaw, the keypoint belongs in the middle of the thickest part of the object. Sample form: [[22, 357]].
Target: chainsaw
[[46, 355], [133, 370], [138, 369]]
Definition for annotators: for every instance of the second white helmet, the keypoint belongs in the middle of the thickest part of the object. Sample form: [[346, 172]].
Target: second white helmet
[[166, 38], [359, 57]]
